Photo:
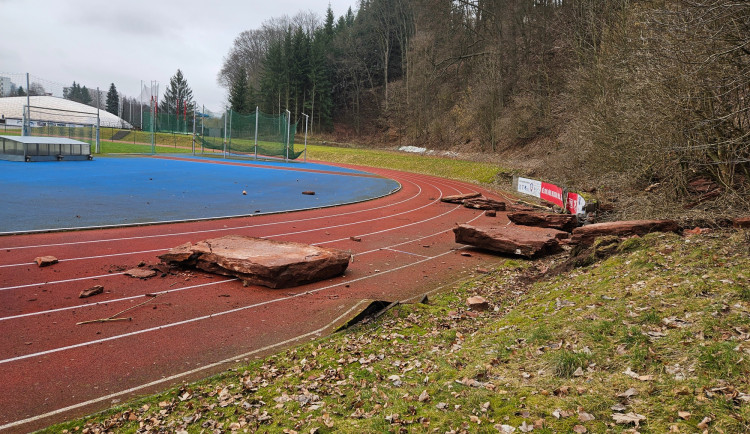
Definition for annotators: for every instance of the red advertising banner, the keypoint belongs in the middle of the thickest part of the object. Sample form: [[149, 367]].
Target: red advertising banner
[[552, 193], [576, 203]]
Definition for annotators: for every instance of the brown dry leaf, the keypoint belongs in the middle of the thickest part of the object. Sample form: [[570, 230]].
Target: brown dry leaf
[[327, 420], [684, 414], [628, 393], [475, 419], [628, 418], [704, 423], [424, 396], [524, 427], [585, 417], [580, 429]]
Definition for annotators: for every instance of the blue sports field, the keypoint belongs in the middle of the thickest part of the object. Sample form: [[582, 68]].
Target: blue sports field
[[143, 189]]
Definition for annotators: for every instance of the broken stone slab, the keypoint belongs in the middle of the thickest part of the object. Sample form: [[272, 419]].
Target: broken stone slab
[[743, 222], [258, 261], [45, 261], [586, 235], [484, 203], [527, 241], [459, 198], [563, 222]]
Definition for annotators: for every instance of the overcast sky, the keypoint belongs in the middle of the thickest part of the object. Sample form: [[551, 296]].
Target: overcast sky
[[98, 42]]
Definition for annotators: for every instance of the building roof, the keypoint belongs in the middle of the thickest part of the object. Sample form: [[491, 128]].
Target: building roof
[[65, 110], [34, 140]]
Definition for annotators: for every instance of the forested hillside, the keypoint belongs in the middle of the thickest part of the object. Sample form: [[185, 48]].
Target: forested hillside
[[606, 94]]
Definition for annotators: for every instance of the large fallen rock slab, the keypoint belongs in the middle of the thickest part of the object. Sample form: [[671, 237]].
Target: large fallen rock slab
[[484, 203], [563, 222], [459, 198], [586, 235], [258, 261], [512, 239]]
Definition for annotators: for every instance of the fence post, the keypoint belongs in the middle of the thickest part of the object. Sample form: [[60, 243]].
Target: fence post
[[98, 99], [288, 128], [193, 130], [229, 145], [306, 119], [256, 132], [225, 131]]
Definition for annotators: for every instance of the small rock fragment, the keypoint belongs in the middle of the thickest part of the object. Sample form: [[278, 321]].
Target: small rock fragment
[[94, 290], [140, 273], [478, 302], [357, 239], [44, 261], [490, 213]]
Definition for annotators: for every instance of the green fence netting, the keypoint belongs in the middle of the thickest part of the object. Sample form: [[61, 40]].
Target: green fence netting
[[254, 134], [84, 133]]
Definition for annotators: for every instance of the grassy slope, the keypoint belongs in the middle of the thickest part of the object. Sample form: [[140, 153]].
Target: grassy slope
[[457, 169], [659, 331]]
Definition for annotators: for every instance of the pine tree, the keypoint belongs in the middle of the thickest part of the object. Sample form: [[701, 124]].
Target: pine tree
[[73, 92], [113, 100], [85, 96], [178, 98], [20, 91], [239, 93]]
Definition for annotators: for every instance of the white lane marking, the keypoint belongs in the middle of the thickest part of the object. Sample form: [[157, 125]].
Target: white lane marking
[[402, 251], [77, 279], [88, 257], [114, 300], [215, 315], [173, 377]]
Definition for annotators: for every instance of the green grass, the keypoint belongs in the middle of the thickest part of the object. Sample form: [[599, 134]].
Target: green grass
[[483, 173]]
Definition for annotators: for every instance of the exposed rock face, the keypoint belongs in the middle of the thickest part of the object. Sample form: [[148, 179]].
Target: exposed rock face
[[484, 204], [587, 234], [511, 239], [258, 261], [459, 198], [563, 222]]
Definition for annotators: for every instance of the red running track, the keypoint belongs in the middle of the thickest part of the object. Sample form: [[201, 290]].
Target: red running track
[[200, 324]]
